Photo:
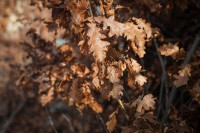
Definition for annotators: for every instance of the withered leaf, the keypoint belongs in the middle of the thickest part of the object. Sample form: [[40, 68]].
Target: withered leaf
[[116, 91], [113, 74], [112, 121], [146, 103], [96, 107], [46, 14], [134, 69], [78, 9], [45, 99], [116, 28], [183, 76], [140, 79], [97, 46], [168, 49], [137, 33]]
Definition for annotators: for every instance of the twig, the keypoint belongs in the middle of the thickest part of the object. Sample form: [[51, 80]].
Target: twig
[[103, 123], [68, 120], [163, 70], [90, 9], [51, 121], [174, 89], [82, 121], [160, 96], [123, 108], [10, 119], [81, 113]]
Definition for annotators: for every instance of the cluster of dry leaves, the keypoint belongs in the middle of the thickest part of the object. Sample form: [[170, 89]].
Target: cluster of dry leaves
[[87, 52]]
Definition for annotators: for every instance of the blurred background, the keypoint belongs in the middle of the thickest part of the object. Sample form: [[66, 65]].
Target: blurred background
[[18, 114]]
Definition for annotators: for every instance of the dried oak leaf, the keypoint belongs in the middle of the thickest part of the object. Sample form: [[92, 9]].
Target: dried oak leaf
[[179, 55], [113, 74], [116, 28], [78, 9], [96, 82], [98, 75], [168, 49], [96, 107], [81, 96], [101, 7], [97, 46], [140, 79], [45, 99], [138, 33], [134, 69], [183, 77], [46, 14], [150, 117], [116, 91], [196, 91], [73, 94], [146, 103], [108, 7], [41, 30], [112, 121]]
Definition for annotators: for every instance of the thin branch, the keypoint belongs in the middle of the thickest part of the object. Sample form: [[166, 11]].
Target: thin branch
[[163, 70], [50, 120], [10, 119], [69, 122], [90, 9], [174, 89], [160, 96], [103, 123], [123, 108]]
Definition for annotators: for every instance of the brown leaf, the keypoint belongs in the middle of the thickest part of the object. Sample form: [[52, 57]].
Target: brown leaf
[[150, 117], [113, 74], [46, 14], [183, 77], [108, 7], [73, 92], [45, 99], [116, 91], [168, 49], [134, 69], [116, 28], [140, 79], [96, 107], [78, 9], [97, 46], [137, 33], [112, 121], [133, 65], [101, 7], [146, 103]]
